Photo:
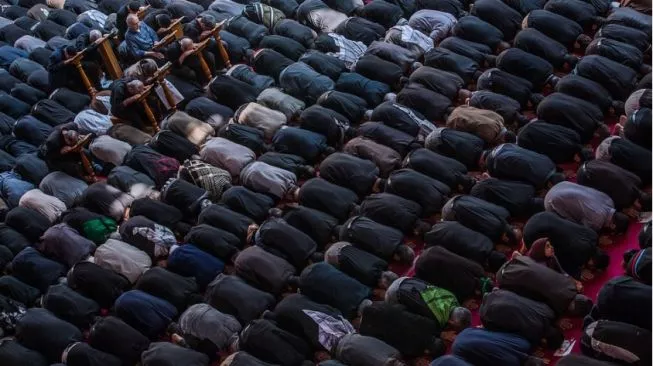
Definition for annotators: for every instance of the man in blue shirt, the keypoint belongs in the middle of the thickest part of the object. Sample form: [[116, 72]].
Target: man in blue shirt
[[140, 39]]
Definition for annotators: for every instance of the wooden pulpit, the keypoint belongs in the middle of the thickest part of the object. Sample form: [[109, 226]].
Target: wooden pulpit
[[77, 62], [86, 163], [175, 28], [199, 48], [143, 11], [215, 33], [142, 99], [158, 79], [165, 41], [109, 59]]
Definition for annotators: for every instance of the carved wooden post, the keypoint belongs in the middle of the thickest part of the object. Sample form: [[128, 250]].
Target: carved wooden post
[[77, 61], [215, 32], [109, 58], [148, 111]]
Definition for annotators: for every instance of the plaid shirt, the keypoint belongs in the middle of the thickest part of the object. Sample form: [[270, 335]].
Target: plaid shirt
[[350, 51]]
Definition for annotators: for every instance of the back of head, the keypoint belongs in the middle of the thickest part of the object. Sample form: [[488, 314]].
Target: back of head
[[388, 277], [148, 66], [70, 50], [628, 255], [496, 260], [536, 99], [556, 178], [572, 60], [437, 348], [163, 20], [460, 319], [467, 182], [421, 227], [317, 257], [133, 6], [583, 41], [491, 60], [405, 254], [306, 171], [208, 21], [620, 221], [601, 259], [581, 305], [586, 154]]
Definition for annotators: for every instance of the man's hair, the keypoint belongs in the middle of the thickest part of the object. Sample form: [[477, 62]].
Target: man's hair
[[134, 6], [317, 257], [306, 171], [207, 20], [405, 253], [70, 50], [437, 348], [583, 40], [495, 260], [467, 182], [163, 20], [556, 178], [601, 259], [572, 60], [491, 60], [620, 221], [389, 277], [582, 305], [628, 255], [586, 154], [148, 66], [421, 226], [460, 318], [275, 212]]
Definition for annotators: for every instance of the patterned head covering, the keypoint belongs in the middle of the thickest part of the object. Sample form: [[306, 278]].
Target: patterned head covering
[[213, 179]]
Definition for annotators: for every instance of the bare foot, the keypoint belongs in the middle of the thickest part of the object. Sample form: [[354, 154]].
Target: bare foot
[[565, 324], [378, 294], [586, 275], [471, 304], [618, 129], [579, 286], [570, 174], [604, 241]]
